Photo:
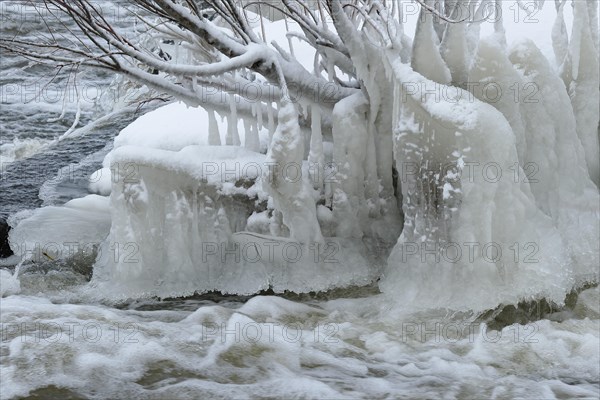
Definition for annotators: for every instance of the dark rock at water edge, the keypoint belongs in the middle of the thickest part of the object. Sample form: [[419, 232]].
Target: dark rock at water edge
[[5, 250], [530, 311]]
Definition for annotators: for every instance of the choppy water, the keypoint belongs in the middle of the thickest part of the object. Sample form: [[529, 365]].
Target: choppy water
[[32, 97], [59, 340], [64, 343]]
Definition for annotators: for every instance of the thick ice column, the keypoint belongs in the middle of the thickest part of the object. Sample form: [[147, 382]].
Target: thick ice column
[[350, 139], [555, 161], [284, 181]]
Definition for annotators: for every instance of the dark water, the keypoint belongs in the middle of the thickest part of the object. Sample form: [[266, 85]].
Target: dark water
[[32, 97]]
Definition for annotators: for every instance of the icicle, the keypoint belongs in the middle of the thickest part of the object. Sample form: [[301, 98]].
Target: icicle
[[576, 39], [251, 141], [560, 37], [316, 159], [271, 121], [214, 137], [233, 136], [247, 127], [259, 115], [330, 70]]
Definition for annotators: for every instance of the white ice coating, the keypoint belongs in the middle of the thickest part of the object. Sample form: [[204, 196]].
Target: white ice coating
[[496, 173], [194, 208], [172, 214], [479, 214], [555, 161]]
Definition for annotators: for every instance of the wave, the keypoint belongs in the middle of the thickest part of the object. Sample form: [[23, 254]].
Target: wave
[[18, 149]]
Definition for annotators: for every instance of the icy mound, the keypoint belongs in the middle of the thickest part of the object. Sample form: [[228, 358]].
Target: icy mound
[[51, 233]]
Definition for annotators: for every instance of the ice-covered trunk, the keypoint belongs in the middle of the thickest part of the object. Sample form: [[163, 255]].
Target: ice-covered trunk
[[426, 57], [378, 186], [582, 77], [560, 37], [555, 165], [537, 106], [285, 181], [454, 49], [493, 80], [465, 244]]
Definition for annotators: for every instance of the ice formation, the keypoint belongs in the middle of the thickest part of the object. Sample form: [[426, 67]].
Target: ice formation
[[51, 233], [472, 162]]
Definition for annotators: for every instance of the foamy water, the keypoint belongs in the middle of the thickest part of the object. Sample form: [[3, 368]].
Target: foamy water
[[18, 148], [270, 347]]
